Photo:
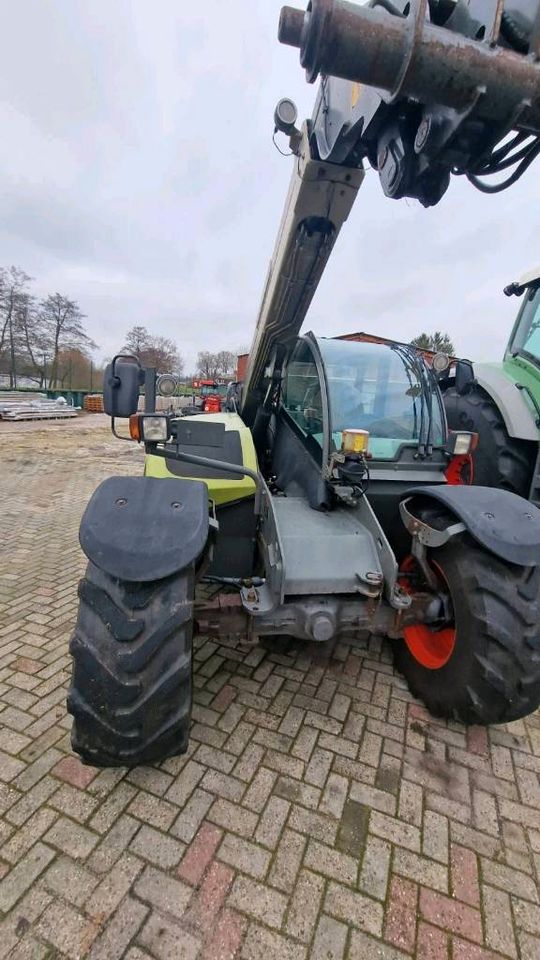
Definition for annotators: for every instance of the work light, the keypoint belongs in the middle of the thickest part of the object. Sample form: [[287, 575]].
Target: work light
[[150, 428]]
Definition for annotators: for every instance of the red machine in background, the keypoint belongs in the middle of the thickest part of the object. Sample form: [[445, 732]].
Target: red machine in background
[[210, 396]]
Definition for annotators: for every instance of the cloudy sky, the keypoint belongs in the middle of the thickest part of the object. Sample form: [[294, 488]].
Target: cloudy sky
[[138, 176]]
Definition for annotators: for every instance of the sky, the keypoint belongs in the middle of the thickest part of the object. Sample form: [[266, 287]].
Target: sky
[[138, 176]]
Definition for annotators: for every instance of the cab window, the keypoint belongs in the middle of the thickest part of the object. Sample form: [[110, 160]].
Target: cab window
[[302, 397]]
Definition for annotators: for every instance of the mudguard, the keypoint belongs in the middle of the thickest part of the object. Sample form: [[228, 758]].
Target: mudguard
[[141, 528], [502, 522]]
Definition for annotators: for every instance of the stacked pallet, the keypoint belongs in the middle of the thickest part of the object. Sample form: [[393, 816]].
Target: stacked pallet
[[93, 403], [21, 406]]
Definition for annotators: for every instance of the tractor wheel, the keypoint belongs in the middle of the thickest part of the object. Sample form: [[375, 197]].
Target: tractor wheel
[[130, 694], [499, 460], [485, 666]]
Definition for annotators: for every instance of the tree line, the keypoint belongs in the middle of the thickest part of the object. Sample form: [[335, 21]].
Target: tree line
[[41, 340]]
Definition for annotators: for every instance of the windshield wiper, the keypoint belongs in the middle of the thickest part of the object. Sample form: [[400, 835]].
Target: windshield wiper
[[414, 364]]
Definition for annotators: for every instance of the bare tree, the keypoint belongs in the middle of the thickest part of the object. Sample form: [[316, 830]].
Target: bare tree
[[137, 340], [213, 365], [154, 351], [207, 365], [62, 323], [13, 298]]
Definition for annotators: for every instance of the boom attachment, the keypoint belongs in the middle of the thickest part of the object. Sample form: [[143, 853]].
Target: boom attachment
[[423, 90]]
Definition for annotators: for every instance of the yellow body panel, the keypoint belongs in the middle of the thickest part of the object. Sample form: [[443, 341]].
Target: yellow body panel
[[219, 491]]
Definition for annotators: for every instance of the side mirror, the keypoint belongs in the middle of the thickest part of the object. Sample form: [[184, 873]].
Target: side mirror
[[121, 383], [464, 376]]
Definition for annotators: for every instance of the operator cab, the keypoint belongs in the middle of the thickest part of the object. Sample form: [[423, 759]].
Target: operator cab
[[331, 386], [367, 386]]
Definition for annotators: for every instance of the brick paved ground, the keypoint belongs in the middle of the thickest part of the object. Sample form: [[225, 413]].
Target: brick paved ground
[[320, 812]]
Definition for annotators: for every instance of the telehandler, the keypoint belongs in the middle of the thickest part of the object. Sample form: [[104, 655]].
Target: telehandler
[[322, 499]]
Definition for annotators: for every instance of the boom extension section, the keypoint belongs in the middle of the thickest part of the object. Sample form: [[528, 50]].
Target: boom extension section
[[319, 200]]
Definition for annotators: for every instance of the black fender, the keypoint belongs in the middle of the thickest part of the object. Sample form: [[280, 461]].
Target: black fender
[[502, 522], [145, 528]]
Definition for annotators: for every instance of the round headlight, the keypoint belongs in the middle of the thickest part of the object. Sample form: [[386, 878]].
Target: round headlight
[[440, 362], [285, 115], [166, 385]]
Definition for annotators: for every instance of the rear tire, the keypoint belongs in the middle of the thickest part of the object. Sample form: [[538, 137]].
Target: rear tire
[[493, 673], [500, 460], [131, 687]]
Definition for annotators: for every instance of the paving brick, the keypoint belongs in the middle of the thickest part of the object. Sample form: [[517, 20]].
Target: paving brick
[[435, 842], [260, 789], [123, 927], [24, 839], [331, 863], [318, 767], [21, 877], [463, 950], [150, 779], [113, 888], [287, 860], [304, 906], [163, 892], [166, 940], [330, 940], [431, 943], [72, 771], [421, 869], [499, 933], [529, 945], [334, 795], [375, 868], [71, 838], [313, 824], [258, 901], [354, 908], [66, 930], [395, 831], [226, 938], [527, 915], [228, 787], [184, 785], [160, 849], [244, 856], [200, 853], [77, 804], [298, 792], [271, 822], [210, 897], [513, 881], [153, 810], [464, 873], [70, 880], [191, 817], [109, 811], [113, 844], [261, 944], [233, 817], [454, 916], [400, 920], [364, 947]]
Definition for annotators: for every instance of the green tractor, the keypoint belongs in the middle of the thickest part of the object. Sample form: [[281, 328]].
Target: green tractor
[[501, 403]]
